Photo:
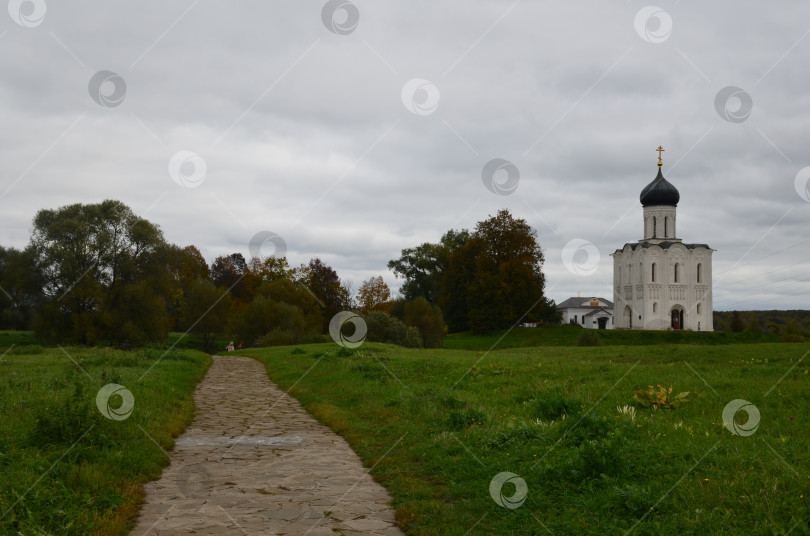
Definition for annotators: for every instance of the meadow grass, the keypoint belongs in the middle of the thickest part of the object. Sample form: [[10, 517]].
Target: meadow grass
[[65, 468], [568, 335], [436, 426]]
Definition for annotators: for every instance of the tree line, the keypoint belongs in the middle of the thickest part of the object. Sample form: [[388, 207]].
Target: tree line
[[99, 274], [791, 325]]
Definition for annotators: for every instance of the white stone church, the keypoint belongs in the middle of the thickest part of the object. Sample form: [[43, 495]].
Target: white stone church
[[661, 282]]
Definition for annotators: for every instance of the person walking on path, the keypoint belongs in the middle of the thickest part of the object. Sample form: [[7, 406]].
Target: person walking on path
[[229, 348]]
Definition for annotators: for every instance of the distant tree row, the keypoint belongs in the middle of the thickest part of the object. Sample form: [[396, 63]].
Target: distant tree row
[[789, 325], [98, 273]]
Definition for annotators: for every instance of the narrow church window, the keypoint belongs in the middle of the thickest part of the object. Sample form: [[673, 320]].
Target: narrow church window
[[654, 226], [653, 272], [655, 307], [677, 278], [698, 309], [699, 266], [665, 226], [575, 319]]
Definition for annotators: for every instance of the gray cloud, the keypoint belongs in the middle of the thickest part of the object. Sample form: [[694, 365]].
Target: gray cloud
[[304, 133]]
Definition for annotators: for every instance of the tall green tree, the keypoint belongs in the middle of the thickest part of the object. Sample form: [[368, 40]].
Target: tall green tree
[[229, 272], [20, 288], [496, 278], [89, 256], [325, 285], [423, 267]]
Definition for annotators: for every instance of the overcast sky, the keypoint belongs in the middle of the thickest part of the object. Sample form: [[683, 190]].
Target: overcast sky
[[354, 130]]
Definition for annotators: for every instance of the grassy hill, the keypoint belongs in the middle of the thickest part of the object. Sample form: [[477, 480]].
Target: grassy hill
[[437, 426], [568, 335]]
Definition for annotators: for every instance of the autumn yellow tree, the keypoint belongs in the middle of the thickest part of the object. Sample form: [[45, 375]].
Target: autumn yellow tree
[[373, 294]]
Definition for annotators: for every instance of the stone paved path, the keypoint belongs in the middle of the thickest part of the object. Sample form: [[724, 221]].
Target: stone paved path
[[253, 462]]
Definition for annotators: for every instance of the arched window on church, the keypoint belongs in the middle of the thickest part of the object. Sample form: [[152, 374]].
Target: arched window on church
[[665, 226], [699, 309], [655, 307], [654, 226], [699, 269], [653, 272], [677, 274]]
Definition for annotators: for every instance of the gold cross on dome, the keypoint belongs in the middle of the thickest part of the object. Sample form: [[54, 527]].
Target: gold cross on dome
[[660, 150]]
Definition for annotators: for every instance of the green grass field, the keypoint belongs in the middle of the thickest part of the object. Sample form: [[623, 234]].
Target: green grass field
[[65, 468], [568, 336], [437, 426]]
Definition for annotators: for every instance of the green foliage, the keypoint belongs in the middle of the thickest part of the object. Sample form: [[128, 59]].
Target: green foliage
[[385, 328], [323, 282], [428, 320], [495, 279], [773, 321], [660, 397], [22, 283], [205, 311], [66, 423], [589, 338], [64, 468], [423, 267], [280, 336], [556, 407], [101, 270]]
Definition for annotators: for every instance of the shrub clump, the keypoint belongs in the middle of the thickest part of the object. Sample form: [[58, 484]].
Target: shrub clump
[[385, 328], [428, 320], [589, 338]]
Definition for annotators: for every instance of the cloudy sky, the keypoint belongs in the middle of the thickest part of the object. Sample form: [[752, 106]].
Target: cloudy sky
[[356, 129]]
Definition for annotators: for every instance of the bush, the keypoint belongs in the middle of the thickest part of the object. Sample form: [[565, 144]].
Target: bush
[[385, 328], [590, 338], [428, 320]]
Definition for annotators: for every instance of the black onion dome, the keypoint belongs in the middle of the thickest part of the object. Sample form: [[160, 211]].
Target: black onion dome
[[659, 192]]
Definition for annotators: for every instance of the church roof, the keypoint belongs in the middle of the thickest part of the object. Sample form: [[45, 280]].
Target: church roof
[[663, 245], [583, 303], [598, 311], [659, 192]]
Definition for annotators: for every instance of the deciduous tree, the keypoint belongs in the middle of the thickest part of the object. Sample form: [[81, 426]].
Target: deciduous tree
[[373, 294], [496, 277], [422, 267]]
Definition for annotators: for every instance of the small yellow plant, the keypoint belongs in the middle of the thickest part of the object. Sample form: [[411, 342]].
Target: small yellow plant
[[660, 397]]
